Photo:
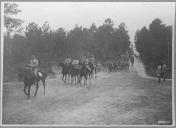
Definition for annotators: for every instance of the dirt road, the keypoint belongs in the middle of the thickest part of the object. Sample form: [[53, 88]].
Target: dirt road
[[120, 98]]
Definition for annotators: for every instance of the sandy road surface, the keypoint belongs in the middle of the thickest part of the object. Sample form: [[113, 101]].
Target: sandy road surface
[[120, 98]]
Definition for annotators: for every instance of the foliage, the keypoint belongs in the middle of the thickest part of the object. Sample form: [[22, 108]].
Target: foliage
[[11, 24], [104, 42], [155, 44]]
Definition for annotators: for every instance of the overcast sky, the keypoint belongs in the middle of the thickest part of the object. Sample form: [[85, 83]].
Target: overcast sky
[[68, 14]]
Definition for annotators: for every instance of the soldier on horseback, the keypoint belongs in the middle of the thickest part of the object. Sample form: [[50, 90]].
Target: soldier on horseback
[[34, 65], [31, 76]]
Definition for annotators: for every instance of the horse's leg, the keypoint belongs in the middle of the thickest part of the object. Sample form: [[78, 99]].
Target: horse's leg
[[36, 88], [25, 86], [92, 74], [29, 89], [85, 79], [62, 77], [44, 85], [76, 76], [159, 79], [91, 77], [65, 80], [96, 72], [164, 77], [80, 79], [72, 78], [68, 77]]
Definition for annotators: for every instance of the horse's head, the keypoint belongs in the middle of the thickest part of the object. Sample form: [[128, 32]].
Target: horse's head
[[22, 72]]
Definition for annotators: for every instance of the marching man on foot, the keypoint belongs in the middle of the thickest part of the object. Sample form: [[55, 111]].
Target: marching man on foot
[[164, 71], [158, 70]]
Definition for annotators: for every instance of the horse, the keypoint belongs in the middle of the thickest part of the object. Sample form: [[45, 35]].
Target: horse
[[92, 69], [75, 68], [110, 66], [29, 79], [127, 65], [83, 72], [132, 61], [65, 71]]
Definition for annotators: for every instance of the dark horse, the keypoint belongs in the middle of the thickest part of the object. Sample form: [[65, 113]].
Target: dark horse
[[83, 73], [93, 69], [66, 71], [75, 70], [30, 79], [132, 60]]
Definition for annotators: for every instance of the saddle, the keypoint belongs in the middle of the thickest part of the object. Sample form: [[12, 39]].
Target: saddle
[[36, 72]]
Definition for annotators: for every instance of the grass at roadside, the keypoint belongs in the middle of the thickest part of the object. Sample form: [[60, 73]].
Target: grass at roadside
[[157, 99]]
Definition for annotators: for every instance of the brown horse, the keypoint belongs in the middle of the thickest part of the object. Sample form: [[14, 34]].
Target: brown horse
[[30, 79], [84, 73]]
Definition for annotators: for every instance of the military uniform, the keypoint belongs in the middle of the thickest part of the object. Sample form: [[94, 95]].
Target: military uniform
[[34, 64], [158, 71]]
